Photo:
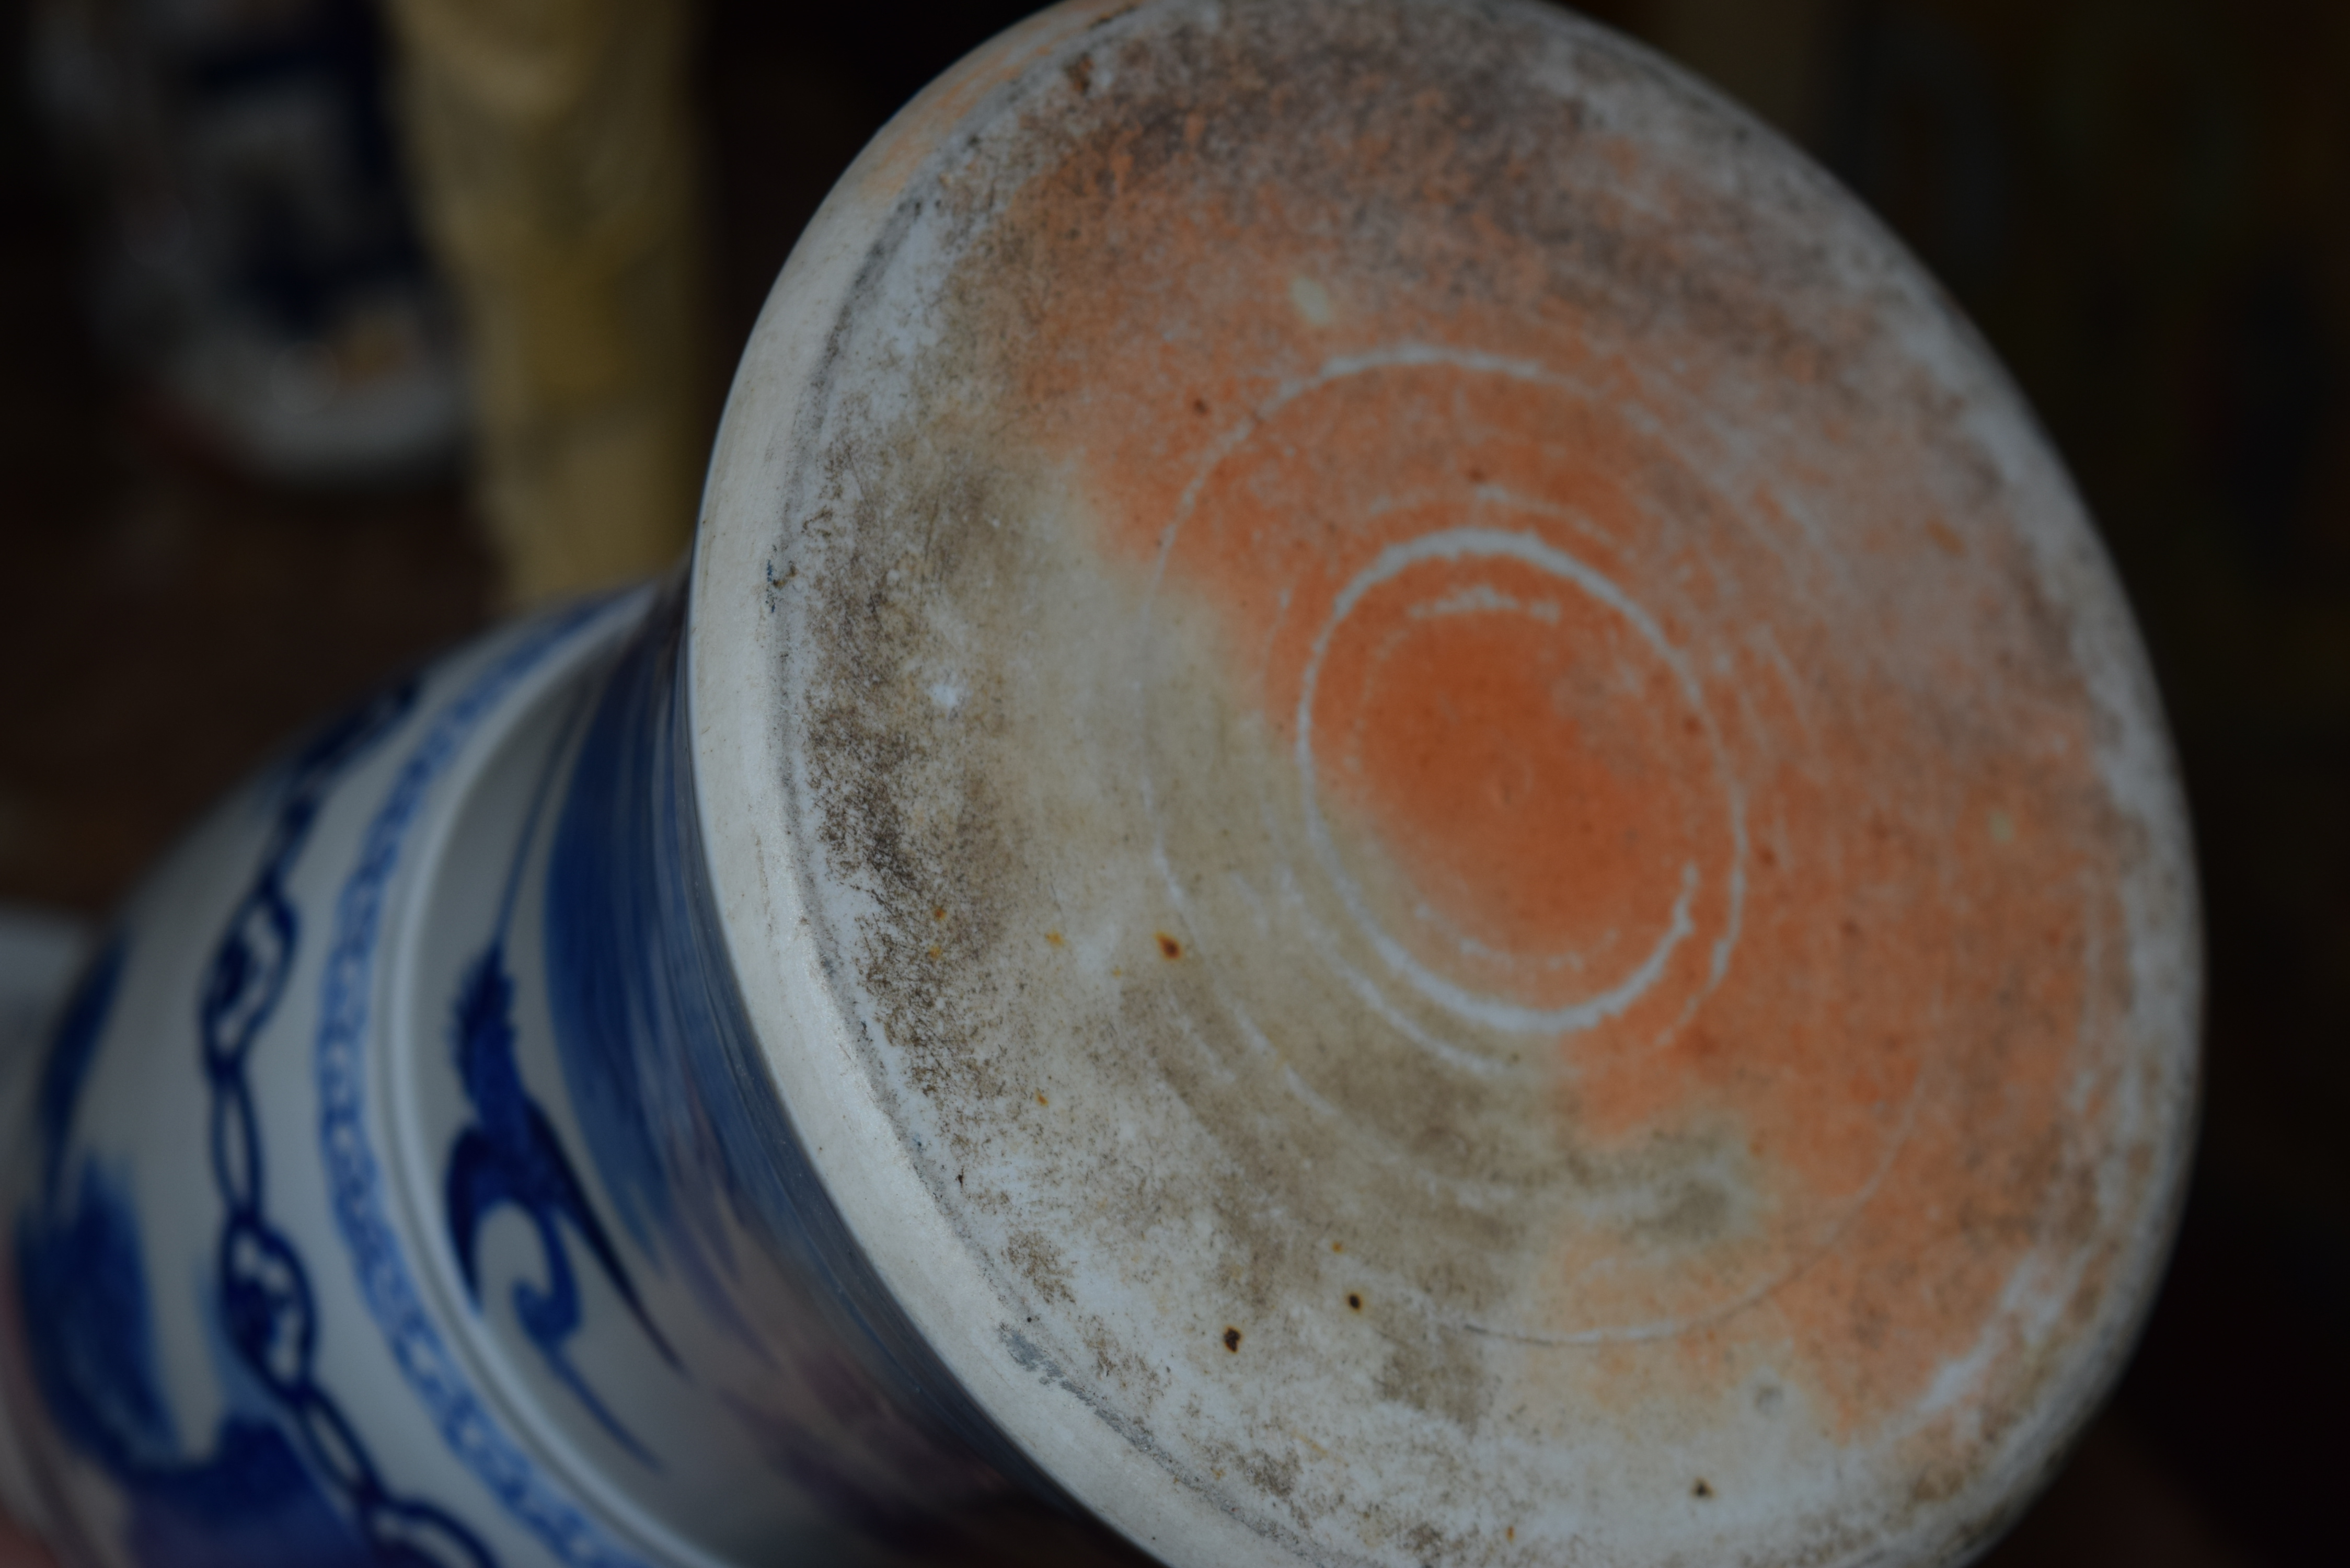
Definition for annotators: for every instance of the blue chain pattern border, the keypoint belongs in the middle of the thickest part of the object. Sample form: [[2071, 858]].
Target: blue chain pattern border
[[354, 1177], [266, 1305]]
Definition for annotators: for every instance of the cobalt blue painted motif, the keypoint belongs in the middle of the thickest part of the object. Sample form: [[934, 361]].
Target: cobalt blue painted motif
[[511, 1156], [285, 1479], [697, 1165], [644, 1025], [378, 1259], [265, 1298]]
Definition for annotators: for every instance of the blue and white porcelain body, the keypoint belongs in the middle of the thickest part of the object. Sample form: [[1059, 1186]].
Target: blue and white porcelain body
[[902, 1022], [395, 1187]]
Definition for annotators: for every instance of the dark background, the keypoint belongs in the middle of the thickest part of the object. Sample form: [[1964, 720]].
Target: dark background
[[2144, 203]]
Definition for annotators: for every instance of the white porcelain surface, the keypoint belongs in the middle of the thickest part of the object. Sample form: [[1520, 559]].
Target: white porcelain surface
[[1395, 817]]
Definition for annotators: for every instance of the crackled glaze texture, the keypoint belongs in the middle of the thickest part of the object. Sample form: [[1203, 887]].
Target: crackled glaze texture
[[1471, 795]]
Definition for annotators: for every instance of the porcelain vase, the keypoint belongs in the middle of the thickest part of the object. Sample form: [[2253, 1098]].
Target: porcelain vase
[[1394, 816]]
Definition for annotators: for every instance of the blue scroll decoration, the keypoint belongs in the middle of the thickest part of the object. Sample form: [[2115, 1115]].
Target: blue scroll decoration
[[647, 1023], [510, 1156], [293, 1484], [386, 1282]]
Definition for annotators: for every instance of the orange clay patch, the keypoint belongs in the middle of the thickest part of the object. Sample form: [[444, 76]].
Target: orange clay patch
[[1532, 775], [1648, 680]]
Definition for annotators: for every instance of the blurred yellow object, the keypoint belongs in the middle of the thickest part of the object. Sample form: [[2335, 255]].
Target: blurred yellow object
[[557, 161]]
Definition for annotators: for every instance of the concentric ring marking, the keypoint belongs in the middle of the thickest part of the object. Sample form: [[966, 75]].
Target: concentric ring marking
[[1453, 546]]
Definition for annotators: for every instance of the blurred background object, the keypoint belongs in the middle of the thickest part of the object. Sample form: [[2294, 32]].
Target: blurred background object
[[251, 260], [557, 160], [2140, 202]]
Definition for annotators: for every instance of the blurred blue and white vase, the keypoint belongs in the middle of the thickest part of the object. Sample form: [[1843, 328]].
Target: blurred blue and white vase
[[254, 261]]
